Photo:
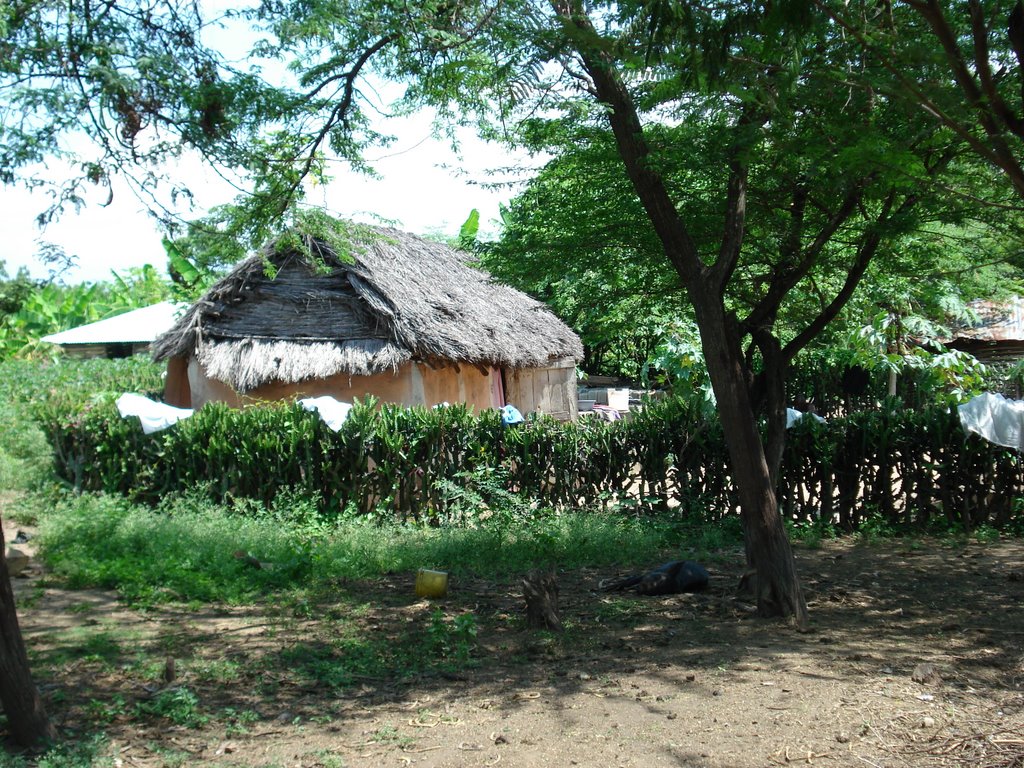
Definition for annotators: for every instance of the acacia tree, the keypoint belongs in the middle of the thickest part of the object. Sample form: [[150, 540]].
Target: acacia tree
[[842, 171], [960, 61]]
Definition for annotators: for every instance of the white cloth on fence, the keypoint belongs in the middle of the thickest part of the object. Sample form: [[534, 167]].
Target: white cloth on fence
[[793, 416], [153, 415], [332, 412], [995, 418]]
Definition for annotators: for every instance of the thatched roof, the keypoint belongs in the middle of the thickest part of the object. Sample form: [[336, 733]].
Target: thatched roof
[[402, 298]]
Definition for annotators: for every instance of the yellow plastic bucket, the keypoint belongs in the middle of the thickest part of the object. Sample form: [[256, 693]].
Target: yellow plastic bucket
[[431, 584]]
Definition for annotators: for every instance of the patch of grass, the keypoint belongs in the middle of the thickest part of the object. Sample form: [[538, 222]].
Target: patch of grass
[[238, 721], [104, 712], [340, 663], [619, 610], [453, 639], [188, 550], [498, 548], [145, 667], [811, 535], [347, 655], [985, 534], [170, 758], [389, 734], [704, 539], [184, 551], [101, 644], [875, 528], [329, 759], [215, 670]]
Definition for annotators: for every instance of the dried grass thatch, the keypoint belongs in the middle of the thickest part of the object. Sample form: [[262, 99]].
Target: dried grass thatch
[[402, 298]]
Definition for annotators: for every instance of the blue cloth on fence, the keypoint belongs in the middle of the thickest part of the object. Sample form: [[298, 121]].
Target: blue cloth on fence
[[510, 415]]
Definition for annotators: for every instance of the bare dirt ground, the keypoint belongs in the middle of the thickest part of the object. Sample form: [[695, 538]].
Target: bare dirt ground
[[690, 680]]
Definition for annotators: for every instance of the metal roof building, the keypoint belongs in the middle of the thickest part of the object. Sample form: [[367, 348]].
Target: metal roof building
[[119, 336]]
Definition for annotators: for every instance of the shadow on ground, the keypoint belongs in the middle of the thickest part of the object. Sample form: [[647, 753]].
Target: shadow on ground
[[369, 675]]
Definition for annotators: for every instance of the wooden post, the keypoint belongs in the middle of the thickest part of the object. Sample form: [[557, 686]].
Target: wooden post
[[541, 592], [19, 697]]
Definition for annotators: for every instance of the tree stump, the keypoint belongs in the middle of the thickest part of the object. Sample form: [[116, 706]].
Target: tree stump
[[541, 592]]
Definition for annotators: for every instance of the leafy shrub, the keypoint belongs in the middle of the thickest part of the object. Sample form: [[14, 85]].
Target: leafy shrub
[[179, 705], [392, 459], [186, 551]]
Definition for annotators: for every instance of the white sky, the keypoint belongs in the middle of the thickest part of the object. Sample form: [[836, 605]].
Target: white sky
[[424, 187]]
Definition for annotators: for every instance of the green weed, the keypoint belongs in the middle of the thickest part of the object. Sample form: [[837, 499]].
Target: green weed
[[179, 705], [338, 664], [84, 753], [170, 758], [452, 640], [985, 534], [811, 535], [238, 722], [215, 670], [621, 611], [389, 734], [329, 759], [875, 528], [105, 712], [101, 644]]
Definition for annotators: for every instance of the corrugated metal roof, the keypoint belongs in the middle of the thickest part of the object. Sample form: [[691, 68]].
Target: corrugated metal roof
[[139, 326], [997, 321]]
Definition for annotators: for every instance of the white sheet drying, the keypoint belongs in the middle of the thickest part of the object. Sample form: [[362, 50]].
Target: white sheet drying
[[793, 416], [996, 419], [332, 412], [153, 415]]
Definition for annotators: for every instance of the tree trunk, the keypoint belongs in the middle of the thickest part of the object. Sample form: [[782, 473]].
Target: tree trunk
[[774, 403], [769, 554], [26, 718], [768, 550]]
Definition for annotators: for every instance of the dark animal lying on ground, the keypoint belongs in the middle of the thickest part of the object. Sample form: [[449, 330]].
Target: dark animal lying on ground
[[668, 579]]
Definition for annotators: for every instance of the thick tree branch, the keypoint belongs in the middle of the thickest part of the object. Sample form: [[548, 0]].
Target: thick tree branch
[[735, 226], [610, 91], [996, 151], [869, 246], [784, 280], [988, 118], [1015, 34], [979, 32]]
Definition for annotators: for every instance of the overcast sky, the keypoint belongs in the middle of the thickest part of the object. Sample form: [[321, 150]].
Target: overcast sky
[[424, 187]]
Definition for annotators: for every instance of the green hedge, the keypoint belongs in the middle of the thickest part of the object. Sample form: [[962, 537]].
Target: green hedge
[[907, 467], [390, 457]]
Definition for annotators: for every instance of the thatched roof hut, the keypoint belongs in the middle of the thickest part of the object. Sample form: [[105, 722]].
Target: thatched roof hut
[[359, 315]]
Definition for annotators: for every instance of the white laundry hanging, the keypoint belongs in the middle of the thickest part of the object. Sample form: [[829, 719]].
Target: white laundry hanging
[[153, 415], [995, 418]]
